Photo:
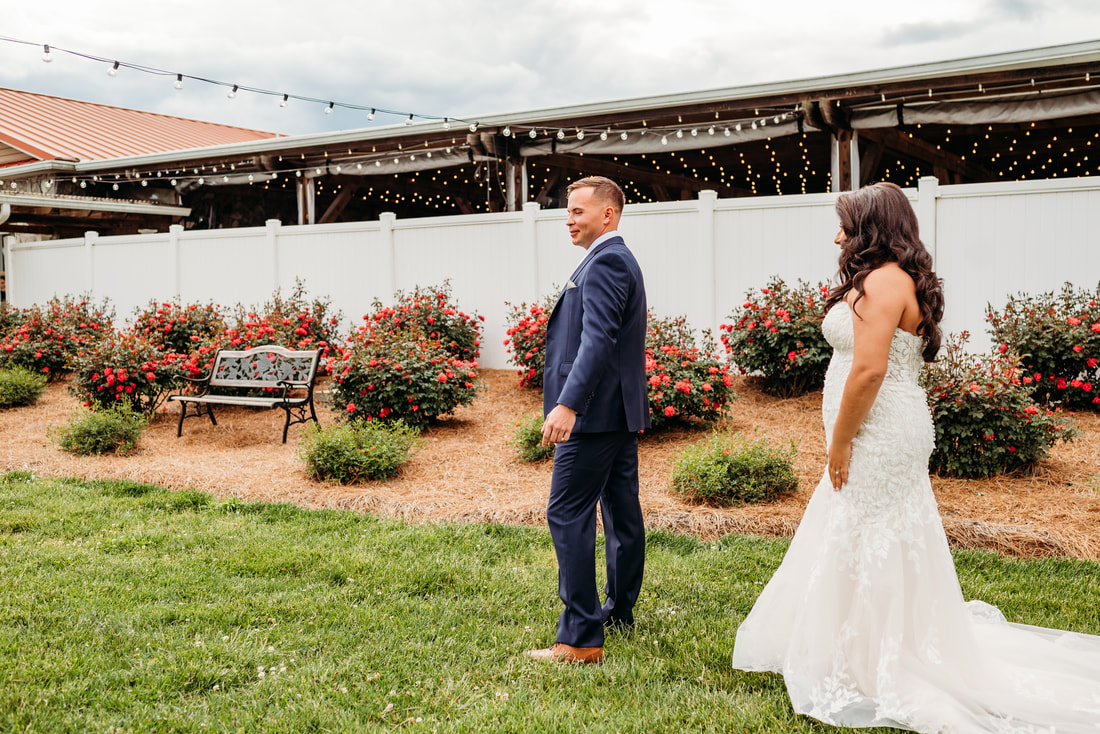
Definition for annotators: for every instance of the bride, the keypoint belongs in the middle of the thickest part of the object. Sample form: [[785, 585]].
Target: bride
[[865, 618]]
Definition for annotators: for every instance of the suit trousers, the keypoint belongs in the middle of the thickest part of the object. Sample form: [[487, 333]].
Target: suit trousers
[[591, 468]]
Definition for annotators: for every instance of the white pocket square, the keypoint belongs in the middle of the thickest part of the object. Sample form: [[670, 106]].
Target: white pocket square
[[570, 284]]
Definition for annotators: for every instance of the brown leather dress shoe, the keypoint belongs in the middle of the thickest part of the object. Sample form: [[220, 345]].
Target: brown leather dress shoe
[[559, 652]]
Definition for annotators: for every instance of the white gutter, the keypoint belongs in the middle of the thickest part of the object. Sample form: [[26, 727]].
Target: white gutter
[[99, 205], [1075, 53]]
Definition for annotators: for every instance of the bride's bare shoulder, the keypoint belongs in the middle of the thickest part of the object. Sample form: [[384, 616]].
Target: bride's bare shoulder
[[889, 279]]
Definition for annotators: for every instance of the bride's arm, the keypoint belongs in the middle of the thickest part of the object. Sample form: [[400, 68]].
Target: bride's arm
[[886, 292]]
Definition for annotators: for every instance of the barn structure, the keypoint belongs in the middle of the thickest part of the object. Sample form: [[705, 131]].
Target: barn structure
[[1025, 115]]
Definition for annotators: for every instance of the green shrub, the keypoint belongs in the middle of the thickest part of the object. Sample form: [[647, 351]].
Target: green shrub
[[729, 469], [357, 452], [1056, 337], [526, 340], [986, 420], [127, 367], [400, 376], [19, 386], [776, 334], [429, 312], [116, 430], [685, 381], [175, 327], [526, 438]]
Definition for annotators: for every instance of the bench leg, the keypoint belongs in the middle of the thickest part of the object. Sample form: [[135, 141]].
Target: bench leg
[[199, 409]]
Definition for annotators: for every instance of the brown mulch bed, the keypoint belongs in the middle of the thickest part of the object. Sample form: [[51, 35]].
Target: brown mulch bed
[[467, 472]]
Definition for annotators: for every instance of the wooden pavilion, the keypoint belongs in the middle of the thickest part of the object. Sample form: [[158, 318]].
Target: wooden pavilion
[[1022, 115]]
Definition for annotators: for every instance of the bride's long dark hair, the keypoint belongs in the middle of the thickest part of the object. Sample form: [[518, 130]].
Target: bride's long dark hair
[[881, 227]]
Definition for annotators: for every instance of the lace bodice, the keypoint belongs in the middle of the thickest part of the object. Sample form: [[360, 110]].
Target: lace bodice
[[906, 350]]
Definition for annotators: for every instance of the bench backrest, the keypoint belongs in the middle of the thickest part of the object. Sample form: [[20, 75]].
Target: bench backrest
[[263, 367]]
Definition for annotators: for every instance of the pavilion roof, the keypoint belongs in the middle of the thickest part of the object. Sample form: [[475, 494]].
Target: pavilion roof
[[38, 127]]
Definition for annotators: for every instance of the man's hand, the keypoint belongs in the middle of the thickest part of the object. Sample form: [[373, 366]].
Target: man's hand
[[558, 425]]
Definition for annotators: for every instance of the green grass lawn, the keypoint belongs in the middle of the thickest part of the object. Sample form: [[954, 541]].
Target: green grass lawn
[[126, 607]]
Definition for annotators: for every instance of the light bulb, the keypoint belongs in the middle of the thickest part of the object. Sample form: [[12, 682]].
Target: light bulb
[[710, 130], [172, 182], [179, 81], [624, 135], [114, 187], [473, 127], [754, 124], [507, 132], [46, 54], [603, 135], [83, 184], [664, 140], [580, 135], [144, 182], [286, 97], [737, 127], [561, 134], [694, 132], [328, 110], [370, 117], [113, 71], [763, 121], [409, 121], [232, 93], [726, 132], [533, 133]]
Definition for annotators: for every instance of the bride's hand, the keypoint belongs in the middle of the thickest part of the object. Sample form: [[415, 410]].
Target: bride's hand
[[840, 456]]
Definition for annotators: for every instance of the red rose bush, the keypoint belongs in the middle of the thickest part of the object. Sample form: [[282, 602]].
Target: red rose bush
[[776, 334], [986, 419], [1056, 337]]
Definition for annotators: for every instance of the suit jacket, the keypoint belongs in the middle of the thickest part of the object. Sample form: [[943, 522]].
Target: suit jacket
[[595, 343]]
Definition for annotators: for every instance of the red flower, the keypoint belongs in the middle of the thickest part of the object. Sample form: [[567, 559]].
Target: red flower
[[351, 407], [670, 411]]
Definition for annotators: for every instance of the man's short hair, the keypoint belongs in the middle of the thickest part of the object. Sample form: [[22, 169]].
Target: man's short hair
[[604, 189]]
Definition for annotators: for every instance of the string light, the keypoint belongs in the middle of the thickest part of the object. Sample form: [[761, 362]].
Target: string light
[[507, 132], [232, 93], [179, 81], [286, 97], [409, 121], [533, 133], [328, 110], [113, 71], [46, 56]]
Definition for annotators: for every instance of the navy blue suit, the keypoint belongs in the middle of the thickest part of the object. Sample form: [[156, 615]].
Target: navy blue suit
[[595, 364]]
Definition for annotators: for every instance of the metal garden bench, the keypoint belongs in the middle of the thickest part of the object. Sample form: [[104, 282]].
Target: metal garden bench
[[285, 376]]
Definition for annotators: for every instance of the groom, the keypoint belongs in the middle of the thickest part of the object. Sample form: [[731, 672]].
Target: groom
[[595, 402]]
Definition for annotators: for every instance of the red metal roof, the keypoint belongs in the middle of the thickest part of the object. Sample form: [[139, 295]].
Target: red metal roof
[[40, 127]]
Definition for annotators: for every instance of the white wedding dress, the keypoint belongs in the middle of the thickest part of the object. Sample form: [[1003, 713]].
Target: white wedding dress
[[865, 618]]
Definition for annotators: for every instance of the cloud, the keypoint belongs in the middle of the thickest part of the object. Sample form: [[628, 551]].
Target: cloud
[[915, 33]]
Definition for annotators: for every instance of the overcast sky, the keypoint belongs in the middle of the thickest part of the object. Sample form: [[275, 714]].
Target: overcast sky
[[470, 57]]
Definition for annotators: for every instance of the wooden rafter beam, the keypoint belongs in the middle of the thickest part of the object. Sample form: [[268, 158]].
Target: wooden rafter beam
[[649, 177], [914, 147]]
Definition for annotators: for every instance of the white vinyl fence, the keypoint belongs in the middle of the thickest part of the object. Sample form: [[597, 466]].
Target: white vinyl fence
[[699, 257]]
